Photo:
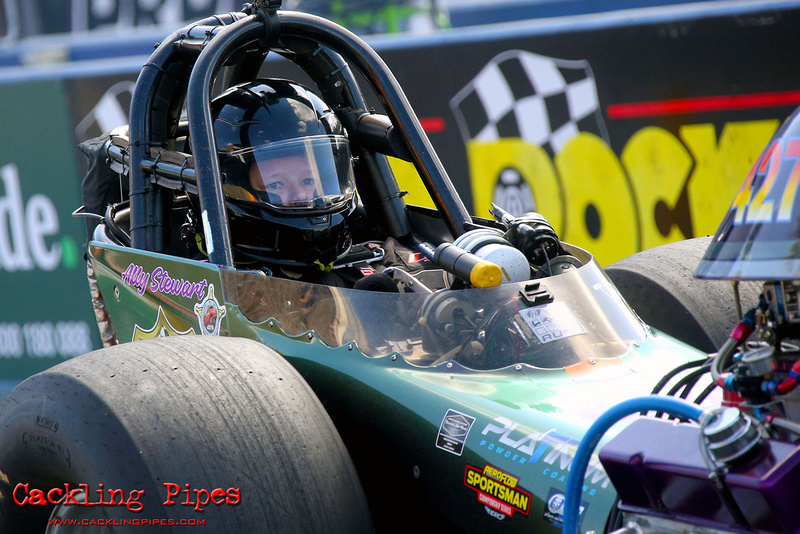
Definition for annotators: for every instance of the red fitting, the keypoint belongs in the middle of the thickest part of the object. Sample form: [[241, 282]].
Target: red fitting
[[731, 399], [741, 332], [721, 379], [790, 382]]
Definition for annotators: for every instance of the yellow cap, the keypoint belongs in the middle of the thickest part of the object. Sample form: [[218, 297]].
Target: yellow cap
[[485, 274]]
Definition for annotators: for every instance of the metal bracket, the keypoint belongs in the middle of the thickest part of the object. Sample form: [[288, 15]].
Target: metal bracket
[[268, 4], [534, 294]]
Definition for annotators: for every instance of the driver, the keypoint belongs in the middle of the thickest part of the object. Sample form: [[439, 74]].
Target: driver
[[290, 180], [290, 189], [287, 176]]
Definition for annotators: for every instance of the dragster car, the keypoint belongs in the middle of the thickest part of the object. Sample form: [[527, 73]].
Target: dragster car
[[267, 369]]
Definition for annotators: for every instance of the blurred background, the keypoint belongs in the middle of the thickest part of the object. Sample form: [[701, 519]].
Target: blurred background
[[627, 123]]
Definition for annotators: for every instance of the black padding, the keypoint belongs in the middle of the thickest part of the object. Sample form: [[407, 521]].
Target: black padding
[[377, 282], [101, 186]]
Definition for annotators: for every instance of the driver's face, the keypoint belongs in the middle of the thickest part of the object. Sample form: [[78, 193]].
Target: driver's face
[[290, 178]]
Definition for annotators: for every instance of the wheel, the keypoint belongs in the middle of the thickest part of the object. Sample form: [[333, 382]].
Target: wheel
[[660, 286], [190, 429]]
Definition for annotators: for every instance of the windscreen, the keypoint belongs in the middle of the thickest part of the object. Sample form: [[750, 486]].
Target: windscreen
[[549, 323], [310, 171]]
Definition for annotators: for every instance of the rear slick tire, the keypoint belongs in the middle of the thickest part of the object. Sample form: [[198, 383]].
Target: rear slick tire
[[175, 419], [660, 286]]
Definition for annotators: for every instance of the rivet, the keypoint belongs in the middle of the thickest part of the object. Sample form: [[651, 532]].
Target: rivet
[[449, 365], [518, 367], [592, 362], [394, 357], [310, 335], [271, 324], [349, 346]]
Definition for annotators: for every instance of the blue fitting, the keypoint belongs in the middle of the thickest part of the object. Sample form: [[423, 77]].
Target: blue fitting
[[770, 386], [750, 318], [730, 383], [577, 472]]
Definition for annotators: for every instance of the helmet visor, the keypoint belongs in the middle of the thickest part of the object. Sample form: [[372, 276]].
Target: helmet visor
[[312, 171]]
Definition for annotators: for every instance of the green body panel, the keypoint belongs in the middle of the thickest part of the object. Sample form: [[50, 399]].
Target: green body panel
[[442, 430], [160, 308]]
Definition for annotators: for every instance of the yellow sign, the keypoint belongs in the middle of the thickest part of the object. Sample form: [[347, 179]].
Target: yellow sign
[[661, 188]]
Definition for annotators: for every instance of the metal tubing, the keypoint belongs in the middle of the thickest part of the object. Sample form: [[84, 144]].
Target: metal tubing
[[140, 190], [204, 146], [226, 40], [357, 52], [145, 223]]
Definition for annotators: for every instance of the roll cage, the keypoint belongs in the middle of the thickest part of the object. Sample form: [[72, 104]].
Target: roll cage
[[184, 70]]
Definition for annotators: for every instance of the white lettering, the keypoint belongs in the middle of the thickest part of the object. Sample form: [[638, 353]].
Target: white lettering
[[12, 344], [13, 251], [42, 220], [24, 226], [63, 339]]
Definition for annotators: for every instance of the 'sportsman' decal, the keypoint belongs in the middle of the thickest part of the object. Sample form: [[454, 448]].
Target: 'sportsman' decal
[[498, 490]]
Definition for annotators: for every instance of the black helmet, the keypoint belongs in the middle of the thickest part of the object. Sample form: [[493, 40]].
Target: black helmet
[[287, 173]]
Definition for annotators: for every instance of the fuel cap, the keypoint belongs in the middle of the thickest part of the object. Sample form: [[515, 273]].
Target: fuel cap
[[731, 436]]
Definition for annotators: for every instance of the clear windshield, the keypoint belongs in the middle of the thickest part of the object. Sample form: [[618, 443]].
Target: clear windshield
[[550, 323], [310, 171]]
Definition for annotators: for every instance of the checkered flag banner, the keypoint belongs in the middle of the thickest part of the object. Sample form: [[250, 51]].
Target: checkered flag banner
[[543, 100], [109, 112]]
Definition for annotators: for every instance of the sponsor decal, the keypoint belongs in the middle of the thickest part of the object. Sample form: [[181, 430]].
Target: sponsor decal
[[416, 257], [209, 313], [453, 431], [494, 513], [554, 508], [159, 281], [162, 328], [498, 490], [552, 450], [552, 322]]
